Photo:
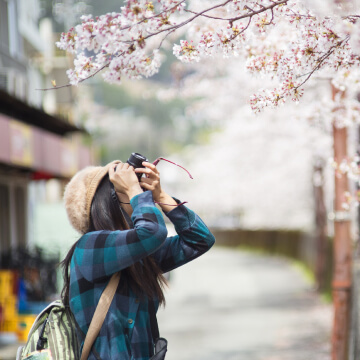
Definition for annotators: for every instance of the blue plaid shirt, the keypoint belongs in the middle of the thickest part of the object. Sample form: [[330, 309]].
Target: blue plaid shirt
[[126, 332]]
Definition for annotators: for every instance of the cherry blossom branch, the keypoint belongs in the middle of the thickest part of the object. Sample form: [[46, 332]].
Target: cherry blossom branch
[[351, 16], [177, 26], [204, 15], [230, 20], [141, 40], [80, 81], [321, 61], [164, 38], [243, 30], [272, 17], [251, 14], [305, 42], [154, 16]]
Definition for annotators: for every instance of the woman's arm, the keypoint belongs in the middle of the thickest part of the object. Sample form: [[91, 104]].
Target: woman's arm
[[193, 239], [102, 253]]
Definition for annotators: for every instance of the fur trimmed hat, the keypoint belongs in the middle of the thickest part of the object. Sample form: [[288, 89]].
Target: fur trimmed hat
[[79, 193]]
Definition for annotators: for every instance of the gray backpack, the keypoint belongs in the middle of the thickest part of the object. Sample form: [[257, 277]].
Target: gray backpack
[[52, 336]]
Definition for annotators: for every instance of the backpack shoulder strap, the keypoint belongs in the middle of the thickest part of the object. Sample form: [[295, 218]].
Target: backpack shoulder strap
[[100, 314], [153, 321]]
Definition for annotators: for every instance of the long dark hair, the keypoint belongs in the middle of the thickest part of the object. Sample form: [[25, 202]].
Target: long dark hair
[[144, 279]]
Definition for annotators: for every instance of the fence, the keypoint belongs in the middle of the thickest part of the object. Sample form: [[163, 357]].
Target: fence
[[292, 244]]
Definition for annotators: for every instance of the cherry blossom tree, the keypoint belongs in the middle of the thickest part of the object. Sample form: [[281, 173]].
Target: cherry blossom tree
[[282, 39], [287, 41], [291, 43]]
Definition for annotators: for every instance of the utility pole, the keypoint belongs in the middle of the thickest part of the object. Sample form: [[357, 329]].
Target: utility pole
[[342, 277]]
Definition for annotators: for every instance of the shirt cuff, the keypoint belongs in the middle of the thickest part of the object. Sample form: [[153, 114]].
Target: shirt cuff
[[182, 217], [145, 198]]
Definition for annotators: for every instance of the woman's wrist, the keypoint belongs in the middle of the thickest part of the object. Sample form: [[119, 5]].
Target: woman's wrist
[[166, 202], [136, 190]]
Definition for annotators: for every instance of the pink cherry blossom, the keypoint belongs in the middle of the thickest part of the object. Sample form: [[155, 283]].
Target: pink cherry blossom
[[280, 39]]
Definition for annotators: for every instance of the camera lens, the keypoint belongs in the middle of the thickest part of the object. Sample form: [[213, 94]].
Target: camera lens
[[136, 160]]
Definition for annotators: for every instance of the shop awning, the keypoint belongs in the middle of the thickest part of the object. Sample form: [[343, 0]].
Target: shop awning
[[17, 109], [42, 153]]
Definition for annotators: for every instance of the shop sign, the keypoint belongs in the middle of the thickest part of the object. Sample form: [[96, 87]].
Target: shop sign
[[4, 139], [21, 143], [69, 158]]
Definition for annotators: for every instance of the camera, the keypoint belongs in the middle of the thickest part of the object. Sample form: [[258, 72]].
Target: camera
[[136, 160]]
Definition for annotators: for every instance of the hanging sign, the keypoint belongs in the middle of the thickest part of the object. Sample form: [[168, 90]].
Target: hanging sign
[[21, 143]]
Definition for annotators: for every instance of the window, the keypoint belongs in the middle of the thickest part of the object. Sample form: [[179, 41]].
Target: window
[[13, 29], [4, 24], [13, 216]]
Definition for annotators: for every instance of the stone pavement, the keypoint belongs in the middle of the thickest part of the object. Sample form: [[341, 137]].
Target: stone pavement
[[233, 305]]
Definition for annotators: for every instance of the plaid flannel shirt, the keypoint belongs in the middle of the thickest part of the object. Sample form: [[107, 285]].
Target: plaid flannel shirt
[[126, 332]]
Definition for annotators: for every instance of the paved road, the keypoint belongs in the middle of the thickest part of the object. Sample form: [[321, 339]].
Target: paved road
[[232, 305]]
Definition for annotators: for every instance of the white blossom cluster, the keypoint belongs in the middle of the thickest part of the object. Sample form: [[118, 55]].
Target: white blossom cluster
[[118, 42], [280, 39]]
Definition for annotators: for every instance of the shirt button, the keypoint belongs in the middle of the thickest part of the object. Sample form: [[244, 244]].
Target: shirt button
[[130, 321], [137, 301]]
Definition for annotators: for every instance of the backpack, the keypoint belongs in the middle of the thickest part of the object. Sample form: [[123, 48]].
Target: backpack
[[54, 333]]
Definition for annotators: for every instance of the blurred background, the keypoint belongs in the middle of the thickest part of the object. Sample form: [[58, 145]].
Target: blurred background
[[263, 184]]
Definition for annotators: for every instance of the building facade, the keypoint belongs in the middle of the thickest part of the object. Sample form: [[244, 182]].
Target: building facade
[[39, 138]]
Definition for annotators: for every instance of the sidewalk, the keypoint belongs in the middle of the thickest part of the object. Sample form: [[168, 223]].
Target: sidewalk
[[8, 352], [232, 305]]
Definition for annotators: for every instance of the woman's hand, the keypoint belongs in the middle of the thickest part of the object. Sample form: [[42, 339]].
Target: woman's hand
[[151, 181], [125, 181]]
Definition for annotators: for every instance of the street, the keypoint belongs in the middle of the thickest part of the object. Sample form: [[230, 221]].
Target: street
[[233, 305]]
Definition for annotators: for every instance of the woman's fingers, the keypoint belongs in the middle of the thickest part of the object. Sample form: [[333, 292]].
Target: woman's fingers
[[150, 182], [123, 174], [147, 180], [150, 166], [122, 166], [111, 172], [113, 169], [124, 179], [149, 170], [147, 186], [152, 187]]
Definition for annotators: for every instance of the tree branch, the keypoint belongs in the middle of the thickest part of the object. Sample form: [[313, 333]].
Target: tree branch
[[82, 80], [173, 28], [153, 17], [250, 14], [322, 59]]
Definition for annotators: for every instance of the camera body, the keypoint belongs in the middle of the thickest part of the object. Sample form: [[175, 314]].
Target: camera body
[[136, 160]]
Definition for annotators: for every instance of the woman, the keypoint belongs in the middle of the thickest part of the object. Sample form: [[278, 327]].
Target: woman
[[138, 247]]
